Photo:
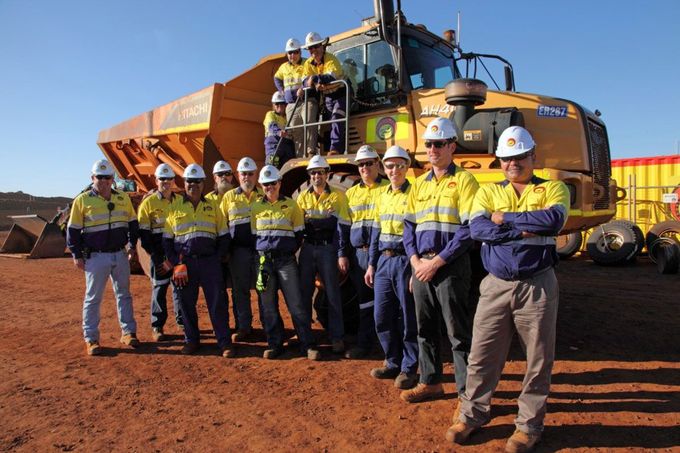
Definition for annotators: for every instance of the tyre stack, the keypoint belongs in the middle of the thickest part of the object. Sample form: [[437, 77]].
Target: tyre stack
[[615, 243], [663, 245]]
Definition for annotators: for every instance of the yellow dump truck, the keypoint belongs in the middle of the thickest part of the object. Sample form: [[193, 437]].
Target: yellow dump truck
[[402, 77]]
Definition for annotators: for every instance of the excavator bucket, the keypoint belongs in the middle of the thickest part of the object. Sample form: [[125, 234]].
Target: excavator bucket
[[34, 237]]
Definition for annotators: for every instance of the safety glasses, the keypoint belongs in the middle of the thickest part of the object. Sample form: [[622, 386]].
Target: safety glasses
[[316, 172], [517, 157], [222, 174], [105, 177], [365, 164], [194, 180], [437, 145], [292, 52], [314, 47], [247, 173], [269, 184], [166, 178], [392, 166]]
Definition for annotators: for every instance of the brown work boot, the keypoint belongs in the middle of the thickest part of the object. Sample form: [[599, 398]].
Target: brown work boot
[[459, 432], [190, 348], [93, 348], [313, 354], [422, 392], [385, 372], [521, 442], [241, 334], [229, 351], [456, 412], [157, 334], [338, 347], [272, 353], [406, 380], [130, 339]]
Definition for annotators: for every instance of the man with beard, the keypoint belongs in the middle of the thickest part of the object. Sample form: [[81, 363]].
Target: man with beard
[[223, 177]]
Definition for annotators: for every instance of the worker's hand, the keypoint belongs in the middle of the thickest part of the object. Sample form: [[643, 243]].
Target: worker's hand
[[283, 134], [79, 263], [299, 92], [428, 268], [497, 218], [368, 276], [527, 234], [410, 284], [343, 265], [180, 275], [166, 266], [132, 254]]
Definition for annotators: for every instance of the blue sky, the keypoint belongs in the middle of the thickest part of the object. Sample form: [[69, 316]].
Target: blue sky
[[72, 68]]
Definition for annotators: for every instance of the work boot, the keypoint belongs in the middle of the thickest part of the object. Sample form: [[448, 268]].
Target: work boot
[[356, 353], [338, 347], [93, 348], [190, 347], [422, 392], [406, 380], [241, 334], [229, 351], [459, 432], [130, 339], [272, 353], [313, 354], [456, 412], [521, 442], [385, 372], [157, 334]]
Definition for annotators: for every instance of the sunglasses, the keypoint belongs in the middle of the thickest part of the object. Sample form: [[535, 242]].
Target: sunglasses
[[166, 179], [316, 172], [105, 177], [291, 52], [315, 46], [246, 173], [194, 180], [391, 166], [223, 173], [269, 184], [436, 144], [365, 164], [517, 157]]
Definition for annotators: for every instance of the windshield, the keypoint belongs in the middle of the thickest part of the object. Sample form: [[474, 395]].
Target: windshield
[[428, 66]]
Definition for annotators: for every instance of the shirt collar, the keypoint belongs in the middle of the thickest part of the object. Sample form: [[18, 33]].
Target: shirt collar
[[535, 180], [326, 189], [450, 170], [377, 181], [186, 198], [403, 187]]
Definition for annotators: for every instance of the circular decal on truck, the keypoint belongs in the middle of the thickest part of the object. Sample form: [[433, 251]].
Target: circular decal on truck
[[385, 128]]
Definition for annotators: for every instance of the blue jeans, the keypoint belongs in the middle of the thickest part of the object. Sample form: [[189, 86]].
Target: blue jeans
[[243, 265], [395, 313], [283, 275], [205, 272], [159, 305], [98, 268], [358, 263], [324, 260]]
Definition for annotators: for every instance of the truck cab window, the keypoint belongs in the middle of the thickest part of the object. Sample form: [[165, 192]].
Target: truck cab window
[[428, 66]]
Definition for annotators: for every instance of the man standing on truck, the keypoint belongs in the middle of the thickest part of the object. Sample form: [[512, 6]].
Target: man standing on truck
[[152, 214], [288, 80], [236, 207], [195, 239], [102, 226], [517, 221], [320, 70], [278, 148], [324, 249], [437, 240], [361, 201]]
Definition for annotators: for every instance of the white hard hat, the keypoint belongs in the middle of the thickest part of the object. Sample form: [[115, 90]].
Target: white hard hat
[[292, 44], [246, 164], [313, 38], [102, 168], [164, 171], [277, 98], [396, 151], [194, 171], [317, 162], [440, 129], [269, 173], [221, 166], [514, 141], [366, 152]]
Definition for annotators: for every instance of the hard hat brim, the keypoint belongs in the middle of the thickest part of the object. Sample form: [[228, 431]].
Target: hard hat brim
[[512, 152], [314, 43]]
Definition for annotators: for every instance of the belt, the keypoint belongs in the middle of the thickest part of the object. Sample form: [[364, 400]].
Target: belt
[[312, 241], [107, 250], [363, 247], [393, 252], [272, 254], [429, 254]]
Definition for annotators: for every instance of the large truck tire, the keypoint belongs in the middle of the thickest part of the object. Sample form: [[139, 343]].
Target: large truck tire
[[667, 255], [639, 235], [569, 244], [667, 229], [612, 244]]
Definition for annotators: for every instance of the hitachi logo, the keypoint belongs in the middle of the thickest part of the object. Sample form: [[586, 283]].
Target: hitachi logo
[[193, 111]]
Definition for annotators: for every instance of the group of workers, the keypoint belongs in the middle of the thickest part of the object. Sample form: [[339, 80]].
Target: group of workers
[[404, 243], [305, 88]]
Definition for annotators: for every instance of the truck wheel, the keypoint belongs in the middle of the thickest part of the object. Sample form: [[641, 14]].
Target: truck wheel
[[612, 244], [569, 244], [667, 255], [667, 229], [350, 307], [639, 235]]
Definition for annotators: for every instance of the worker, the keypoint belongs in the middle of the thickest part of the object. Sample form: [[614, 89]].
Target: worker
[[324, 250], [389, 273], [278, 148], [437, 240], [320, 70], [102, 226], [223, 176], [288, 80], [236, 207], [195, 239], [361, 202], [152, 214], [278, 223], [517, 221]]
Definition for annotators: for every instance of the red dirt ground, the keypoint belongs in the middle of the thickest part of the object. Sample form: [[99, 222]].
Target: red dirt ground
[[616, 383]]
